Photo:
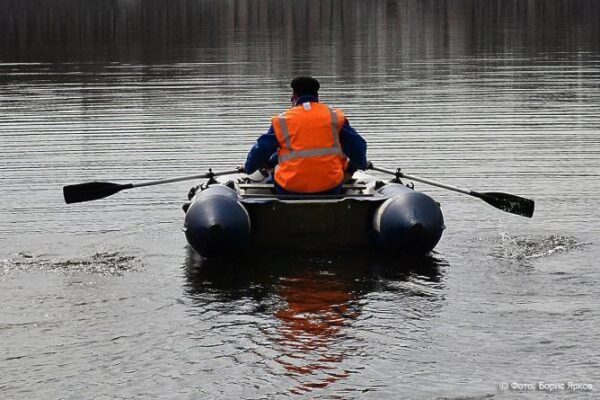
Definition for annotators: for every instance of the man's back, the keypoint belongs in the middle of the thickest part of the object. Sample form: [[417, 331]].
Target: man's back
[[310, 156], [313, 144]]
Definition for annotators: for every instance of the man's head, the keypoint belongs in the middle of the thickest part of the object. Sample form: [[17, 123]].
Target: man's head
[[305, 86]]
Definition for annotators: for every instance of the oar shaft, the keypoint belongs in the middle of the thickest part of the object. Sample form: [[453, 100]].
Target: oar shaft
[[503, 201], [184, 178], [98, 190], [426, 181]]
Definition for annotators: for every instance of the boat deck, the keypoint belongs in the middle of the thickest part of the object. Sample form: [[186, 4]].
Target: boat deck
[[267, 191]]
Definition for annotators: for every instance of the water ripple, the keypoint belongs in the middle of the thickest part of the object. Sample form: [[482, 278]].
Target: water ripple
[[537, 247], [110, 264]]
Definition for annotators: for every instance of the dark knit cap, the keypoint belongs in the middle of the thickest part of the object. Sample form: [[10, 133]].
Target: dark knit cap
[[305, 85]]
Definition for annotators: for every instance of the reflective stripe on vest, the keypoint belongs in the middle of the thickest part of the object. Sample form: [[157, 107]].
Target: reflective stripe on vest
[[318, 152]]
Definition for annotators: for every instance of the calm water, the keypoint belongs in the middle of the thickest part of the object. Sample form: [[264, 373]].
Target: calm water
[[105, 300]]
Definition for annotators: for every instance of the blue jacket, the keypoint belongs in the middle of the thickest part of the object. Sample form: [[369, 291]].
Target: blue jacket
[[264, 152]]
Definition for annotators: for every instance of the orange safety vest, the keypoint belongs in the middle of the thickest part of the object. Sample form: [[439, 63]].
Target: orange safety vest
[[311, 159]]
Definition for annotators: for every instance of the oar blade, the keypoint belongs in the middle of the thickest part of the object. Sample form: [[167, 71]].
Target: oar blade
[[91, 191], [508, 202]]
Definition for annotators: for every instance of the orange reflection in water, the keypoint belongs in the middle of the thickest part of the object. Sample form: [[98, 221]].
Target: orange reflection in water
[[311, 336]]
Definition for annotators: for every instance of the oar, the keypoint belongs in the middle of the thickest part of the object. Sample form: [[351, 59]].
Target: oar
[[98, 190], [503, 201]]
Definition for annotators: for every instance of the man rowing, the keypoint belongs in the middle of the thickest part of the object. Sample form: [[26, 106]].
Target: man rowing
[[315, 146]]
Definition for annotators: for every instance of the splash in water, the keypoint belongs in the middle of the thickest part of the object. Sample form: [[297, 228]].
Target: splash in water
[[100, 263], [537, 247]]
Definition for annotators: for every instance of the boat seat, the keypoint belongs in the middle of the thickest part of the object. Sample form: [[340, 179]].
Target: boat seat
[[305, 196], [271, 186]]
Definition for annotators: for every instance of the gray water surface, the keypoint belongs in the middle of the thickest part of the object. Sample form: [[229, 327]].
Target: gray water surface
[[105, 300]]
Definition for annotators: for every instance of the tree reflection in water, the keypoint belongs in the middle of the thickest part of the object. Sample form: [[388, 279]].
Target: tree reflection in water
[[314, 300]]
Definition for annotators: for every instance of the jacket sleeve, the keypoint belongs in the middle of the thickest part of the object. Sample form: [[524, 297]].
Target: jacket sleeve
[[264, 148], [354, 146]]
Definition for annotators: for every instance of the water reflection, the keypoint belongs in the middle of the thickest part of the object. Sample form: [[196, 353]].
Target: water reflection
[[152, 30], [316, 301], [317, 308]]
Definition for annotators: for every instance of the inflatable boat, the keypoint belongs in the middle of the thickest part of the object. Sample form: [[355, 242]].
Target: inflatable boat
[[228, 217]]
